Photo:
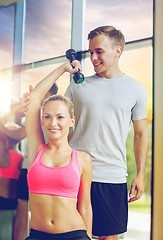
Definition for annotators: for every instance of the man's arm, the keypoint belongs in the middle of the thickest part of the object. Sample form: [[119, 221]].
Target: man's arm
[[140, 151]]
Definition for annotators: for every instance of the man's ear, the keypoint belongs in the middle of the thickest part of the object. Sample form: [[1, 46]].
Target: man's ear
[[119, 50]]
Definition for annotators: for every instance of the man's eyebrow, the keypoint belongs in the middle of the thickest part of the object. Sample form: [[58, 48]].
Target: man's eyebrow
[[97, 49]]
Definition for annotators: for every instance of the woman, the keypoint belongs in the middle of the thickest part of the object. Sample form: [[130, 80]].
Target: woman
[[59, 177]]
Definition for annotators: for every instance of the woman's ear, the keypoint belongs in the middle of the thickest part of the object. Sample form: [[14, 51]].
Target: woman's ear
[[72, 121]]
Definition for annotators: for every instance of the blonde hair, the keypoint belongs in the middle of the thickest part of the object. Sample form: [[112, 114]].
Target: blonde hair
[[61, 98]]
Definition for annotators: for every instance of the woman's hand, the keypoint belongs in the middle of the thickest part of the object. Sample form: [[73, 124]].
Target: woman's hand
[[73, 67]]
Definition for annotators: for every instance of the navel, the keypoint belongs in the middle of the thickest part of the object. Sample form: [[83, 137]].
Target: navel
[[52, 222]]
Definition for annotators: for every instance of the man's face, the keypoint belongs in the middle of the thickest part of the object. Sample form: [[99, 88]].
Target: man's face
[[103, 55]]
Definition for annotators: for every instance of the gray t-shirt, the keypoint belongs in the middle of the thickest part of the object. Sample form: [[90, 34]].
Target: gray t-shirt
[[104, 109]]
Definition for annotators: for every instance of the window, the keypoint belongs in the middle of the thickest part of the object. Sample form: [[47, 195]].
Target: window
[[33, 76], [48, 29], [6, 53], [134, 18], [7, 35]]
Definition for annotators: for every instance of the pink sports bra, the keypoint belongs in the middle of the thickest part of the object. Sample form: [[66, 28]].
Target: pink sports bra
[[13, 170], [58, 181]]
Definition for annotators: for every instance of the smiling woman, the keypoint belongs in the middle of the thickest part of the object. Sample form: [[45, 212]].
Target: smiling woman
[[56, 162]]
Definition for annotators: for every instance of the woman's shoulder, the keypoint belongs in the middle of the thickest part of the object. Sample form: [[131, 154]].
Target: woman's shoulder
[[83, 155], [84, 158]]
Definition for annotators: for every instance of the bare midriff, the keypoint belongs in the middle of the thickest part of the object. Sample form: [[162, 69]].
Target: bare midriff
[[8, 187], [54, 214]]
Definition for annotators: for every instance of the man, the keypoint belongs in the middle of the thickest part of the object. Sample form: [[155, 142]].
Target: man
[[105, 104]]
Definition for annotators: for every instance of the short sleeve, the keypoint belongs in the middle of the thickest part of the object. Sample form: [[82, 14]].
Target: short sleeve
[[68, 93], [139, 111]]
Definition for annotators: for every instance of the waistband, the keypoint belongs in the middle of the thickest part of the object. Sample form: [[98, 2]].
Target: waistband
[[8, 203], [77, 234]]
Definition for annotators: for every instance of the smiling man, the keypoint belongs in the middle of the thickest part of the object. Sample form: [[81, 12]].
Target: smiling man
[[105, 104]]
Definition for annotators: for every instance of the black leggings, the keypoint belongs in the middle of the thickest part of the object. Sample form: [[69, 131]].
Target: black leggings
[[73, 235]]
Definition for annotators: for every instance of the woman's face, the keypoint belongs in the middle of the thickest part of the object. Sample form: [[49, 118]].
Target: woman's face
[[56, 119]]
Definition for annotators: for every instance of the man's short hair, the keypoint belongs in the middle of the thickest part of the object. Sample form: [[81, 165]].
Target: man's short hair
[[115, 35]]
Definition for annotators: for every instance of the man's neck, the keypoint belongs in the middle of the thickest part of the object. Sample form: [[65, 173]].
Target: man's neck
[[110, 75]]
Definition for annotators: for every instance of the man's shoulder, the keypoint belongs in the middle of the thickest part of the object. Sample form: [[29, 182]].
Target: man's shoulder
[[88, 79], [133, 82]]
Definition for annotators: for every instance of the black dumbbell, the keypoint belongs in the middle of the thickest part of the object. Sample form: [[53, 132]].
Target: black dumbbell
[[78, 76]]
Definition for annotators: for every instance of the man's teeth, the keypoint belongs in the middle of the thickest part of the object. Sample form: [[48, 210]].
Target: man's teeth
[[96, 64]]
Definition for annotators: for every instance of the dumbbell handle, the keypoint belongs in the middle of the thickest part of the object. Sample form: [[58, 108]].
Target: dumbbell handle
[[78, 76]]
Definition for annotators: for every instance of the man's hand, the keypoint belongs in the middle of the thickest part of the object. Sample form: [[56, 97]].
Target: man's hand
[[138, 186], [26, 99]]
